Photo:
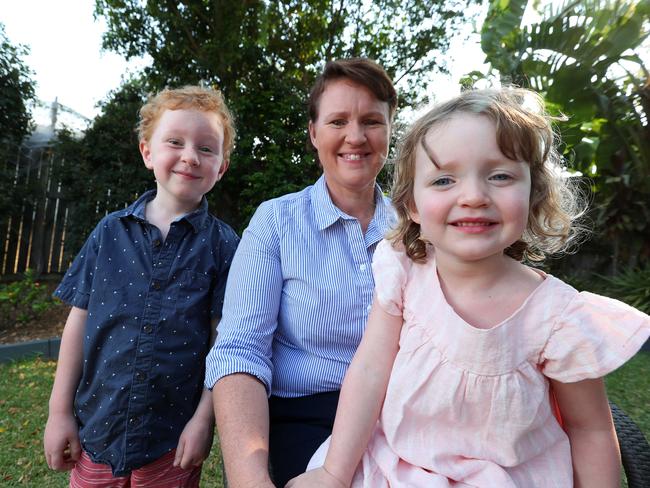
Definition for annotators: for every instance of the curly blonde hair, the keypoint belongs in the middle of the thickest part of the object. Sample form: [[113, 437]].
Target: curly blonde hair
[[524, 132], [187, 97]]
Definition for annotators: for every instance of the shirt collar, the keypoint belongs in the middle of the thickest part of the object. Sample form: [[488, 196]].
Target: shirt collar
[[197, 219], [326, 213]]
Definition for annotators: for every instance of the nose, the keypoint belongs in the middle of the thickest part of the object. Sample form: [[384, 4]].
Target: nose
[[473, 193], [355, 134], [190, 156]]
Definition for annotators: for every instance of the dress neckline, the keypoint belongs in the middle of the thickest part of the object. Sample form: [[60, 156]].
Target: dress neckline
[[547, 279]]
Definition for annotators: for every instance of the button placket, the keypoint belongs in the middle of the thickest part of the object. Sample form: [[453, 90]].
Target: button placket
[[145, 346]]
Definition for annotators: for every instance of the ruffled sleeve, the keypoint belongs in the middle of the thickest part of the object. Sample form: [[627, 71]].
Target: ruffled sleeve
[[593, 336], [390, 270]]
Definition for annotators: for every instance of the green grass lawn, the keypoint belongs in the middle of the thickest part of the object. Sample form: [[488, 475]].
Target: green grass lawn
[[25, 387]]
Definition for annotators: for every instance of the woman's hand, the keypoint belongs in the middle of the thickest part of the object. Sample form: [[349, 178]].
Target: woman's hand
[[316, 477]]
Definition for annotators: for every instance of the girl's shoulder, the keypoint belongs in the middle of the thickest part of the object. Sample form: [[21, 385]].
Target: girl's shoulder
[[591, 334], [390, 250], [390, 259], [590, 307], [392, 269]]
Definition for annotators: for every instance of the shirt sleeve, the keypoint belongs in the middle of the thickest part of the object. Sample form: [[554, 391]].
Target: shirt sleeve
[[389, 267], [593, 336], [76, 285], [251, 305]]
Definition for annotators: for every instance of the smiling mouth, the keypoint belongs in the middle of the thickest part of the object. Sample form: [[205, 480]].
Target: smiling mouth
[[353, 157], [186, 175], [472, 224]]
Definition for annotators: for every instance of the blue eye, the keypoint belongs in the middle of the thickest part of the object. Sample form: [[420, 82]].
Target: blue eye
[[443, 181], [206, 149], [501, 177], [174, 142]]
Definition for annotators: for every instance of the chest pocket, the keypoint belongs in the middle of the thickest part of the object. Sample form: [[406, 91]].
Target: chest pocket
[[113, 292], [193, 302]]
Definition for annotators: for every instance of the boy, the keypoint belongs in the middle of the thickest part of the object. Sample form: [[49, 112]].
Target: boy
[[127, 406]]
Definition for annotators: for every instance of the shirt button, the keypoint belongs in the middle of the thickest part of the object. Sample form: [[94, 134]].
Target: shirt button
[[140, 376], [156, 243], [147, 329], [368, 308], [134, 420], [155, 285], [362, 267]]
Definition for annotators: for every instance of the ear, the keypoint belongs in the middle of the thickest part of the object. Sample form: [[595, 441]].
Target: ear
[[312, 134], [224, 166], [413, 212], [145, 151]]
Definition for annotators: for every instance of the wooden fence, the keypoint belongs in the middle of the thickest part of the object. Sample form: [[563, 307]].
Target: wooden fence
[[32, 230]]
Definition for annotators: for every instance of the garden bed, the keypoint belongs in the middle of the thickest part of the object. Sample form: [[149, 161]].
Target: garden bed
[[45, 327], [42, 325]]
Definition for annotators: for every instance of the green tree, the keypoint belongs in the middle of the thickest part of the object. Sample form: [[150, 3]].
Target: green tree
[[584, 56], [103, 170], [16, 91], [16, 97], [264, 56]]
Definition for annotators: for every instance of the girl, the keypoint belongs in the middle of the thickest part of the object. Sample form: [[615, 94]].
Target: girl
[[467, 349]]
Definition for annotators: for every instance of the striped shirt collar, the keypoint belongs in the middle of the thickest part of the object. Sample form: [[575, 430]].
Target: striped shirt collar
[[326, 213]]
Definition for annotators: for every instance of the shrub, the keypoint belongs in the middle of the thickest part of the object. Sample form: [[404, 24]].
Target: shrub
[[24, 300], [631, 286]]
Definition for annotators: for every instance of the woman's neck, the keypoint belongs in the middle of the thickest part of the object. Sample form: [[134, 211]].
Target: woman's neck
[[357, 204]]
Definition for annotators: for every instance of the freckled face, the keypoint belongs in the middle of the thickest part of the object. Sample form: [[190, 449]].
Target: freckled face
[[351, 136], [476, 202], [185, 153]]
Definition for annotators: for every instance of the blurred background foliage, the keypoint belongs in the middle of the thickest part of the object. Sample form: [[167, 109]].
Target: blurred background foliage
[[264, 56], [583, 56], [17, 93]]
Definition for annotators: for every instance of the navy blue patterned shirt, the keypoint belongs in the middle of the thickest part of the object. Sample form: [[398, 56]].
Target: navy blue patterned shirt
[[150, 303]]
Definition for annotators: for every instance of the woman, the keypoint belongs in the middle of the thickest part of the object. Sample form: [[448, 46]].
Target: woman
[[301, 285]]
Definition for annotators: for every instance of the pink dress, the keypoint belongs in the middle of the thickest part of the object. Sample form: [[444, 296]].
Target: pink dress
[[470, 407]]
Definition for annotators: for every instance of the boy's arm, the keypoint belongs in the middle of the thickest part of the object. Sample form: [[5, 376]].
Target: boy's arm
[[587, 420], [196, 439], [362, 396], [61, 438]]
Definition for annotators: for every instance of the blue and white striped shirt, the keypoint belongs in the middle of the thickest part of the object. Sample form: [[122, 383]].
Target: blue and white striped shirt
[[298, 294]]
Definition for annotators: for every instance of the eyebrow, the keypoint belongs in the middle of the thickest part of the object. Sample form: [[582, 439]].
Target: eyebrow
[[201, 136], [345, 113], [427, 150]]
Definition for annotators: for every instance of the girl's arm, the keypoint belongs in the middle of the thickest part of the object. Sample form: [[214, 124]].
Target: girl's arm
[[61, 438], [587, 420], [362, 396]]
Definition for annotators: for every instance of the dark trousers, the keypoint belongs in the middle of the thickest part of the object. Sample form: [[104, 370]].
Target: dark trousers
[[298, 427]]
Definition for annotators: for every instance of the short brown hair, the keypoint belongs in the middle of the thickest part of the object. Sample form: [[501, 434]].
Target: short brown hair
[[187, 97], [361, 71], [524, 132]]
